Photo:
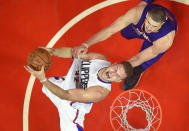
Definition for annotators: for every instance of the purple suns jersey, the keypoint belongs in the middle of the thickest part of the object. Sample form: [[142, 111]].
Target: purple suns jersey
[[137, 31]]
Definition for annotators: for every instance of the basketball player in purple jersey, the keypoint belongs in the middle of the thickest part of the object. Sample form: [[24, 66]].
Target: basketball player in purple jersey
[[151, 22]]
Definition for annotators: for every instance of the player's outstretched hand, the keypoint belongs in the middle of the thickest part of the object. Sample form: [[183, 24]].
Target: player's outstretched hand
[[76, 51], [38, 74]]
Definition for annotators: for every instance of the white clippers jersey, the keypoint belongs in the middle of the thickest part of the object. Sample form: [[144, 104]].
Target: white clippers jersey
[[83, 74], [88, 74]]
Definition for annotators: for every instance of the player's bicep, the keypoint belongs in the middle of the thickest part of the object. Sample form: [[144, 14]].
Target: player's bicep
[[164, 43], [159, 46], [145, 55], [151, 52], [92, 94]]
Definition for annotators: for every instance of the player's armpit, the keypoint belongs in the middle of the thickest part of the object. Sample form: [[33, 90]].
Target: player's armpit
[[91, 94]]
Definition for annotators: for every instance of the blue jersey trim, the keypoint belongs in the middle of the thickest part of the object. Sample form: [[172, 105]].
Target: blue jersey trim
[[80, 128], [103, 81]]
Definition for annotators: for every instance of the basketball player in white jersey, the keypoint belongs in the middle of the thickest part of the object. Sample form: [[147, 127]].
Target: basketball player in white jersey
[[88, 80]]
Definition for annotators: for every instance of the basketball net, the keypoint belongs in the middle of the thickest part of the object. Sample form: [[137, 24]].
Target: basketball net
[[127, 108]]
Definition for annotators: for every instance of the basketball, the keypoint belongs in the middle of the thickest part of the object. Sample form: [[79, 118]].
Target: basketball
[[38, 58]]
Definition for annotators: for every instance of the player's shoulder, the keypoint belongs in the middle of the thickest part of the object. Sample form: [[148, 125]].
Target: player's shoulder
[[100, 57], [140, 10], [140, 7], [168, 37], [166, 41], [92, 55], [137, 12]]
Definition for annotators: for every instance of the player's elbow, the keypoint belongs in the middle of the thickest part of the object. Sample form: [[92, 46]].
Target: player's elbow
[[99, 97], [135, 60], [65, 95]]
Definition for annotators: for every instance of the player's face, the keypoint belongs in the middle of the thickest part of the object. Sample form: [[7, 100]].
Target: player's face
[[151, 25], [115, 73]]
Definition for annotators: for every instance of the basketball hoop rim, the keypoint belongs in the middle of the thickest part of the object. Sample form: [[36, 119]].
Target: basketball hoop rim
[[138, 90]]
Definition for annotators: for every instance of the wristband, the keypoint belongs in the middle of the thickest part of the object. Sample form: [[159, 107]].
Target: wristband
[[43, 80], [86, 45]]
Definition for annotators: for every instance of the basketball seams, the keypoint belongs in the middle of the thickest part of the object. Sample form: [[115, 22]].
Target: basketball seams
[[39, 57], [43, 59]]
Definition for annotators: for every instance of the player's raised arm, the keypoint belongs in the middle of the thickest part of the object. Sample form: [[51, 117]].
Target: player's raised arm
[[91, 94], [120, 23], [64, 52], [158, 47]]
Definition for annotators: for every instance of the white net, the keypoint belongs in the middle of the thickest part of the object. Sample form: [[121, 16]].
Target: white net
[[138, 99]]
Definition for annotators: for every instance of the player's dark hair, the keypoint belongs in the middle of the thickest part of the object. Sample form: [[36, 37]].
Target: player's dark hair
[[128, 68], [157, 14]]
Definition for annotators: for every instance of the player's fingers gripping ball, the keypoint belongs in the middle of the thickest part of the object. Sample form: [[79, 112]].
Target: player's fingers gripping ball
[[38, 58]]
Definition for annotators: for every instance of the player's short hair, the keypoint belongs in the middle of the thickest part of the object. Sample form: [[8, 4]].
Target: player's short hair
[[128, 68], [157, 14]]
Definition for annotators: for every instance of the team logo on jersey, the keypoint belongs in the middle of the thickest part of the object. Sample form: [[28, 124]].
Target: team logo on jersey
[[84, 75], [141, 33]]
